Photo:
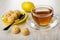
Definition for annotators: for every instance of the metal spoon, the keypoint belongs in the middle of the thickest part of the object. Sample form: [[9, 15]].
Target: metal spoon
[[13, 22]]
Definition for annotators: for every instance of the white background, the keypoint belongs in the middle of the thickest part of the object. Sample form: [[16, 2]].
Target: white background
[[53, 34]]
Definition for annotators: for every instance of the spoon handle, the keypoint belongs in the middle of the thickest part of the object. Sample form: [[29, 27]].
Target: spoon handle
[[8, 26]]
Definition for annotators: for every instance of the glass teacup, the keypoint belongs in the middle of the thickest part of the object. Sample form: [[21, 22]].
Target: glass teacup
[[42, 15]]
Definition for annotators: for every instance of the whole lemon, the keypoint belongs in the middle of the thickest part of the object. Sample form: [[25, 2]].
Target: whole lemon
[[27, 6]]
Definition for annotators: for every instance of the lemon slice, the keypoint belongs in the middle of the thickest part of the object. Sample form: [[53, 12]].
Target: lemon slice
[[5, 20], [21, 20]]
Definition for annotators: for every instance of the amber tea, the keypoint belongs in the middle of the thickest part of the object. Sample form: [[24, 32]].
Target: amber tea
[[42, 15]]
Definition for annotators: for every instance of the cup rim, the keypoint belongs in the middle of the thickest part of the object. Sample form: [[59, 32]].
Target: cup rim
[[46, 6]]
